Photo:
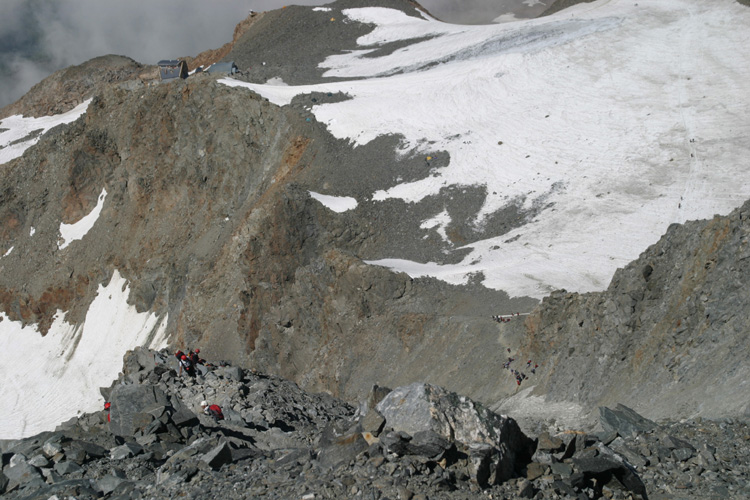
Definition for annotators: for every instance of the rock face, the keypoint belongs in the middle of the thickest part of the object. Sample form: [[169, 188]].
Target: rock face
[[668, 330]]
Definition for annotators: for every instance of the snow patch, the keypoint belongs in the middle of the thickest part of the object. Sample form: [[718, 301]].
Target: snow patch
[[8, 252], [440, 221], [22, 133], [276, 80], [336, 203], [47, 380], [32, 231], [77, 230]]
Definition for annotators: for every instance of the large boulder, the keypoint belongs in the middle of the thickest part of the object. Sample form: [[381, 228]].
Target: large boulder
[[625, 421], [129, 402], [421, 407]]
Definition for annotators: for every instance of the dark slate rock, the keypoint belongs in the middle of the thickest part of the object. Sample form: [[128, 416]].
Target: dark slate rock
[[548, 443], [682, 454], [604, 469], [535, 470], [218, 456], [673, 443], [625, 421], [75, 454], [92, 450], [67, 467], [71, 488], [427, 444], [232, 372], [291, 456], [3, 482], [562, 469], [184, 418], [396, 442], [544, 457], [245, 453], [233, 417], [376, 395], [109, 483], [130, 400], [607, 437], [525, 489], [373, 422], [483, 459], [21, 474], [39, 461], [334, 430], [342, 450], [126, 450]]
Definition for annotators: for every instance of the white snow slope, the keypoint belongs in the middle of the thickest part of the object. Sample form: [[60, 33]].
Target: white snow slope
[[19, 133], [47, 380], [619, 117]]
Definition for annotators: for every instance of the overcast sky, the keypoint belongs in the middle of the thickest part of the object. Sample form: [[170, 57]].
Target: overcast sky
[[38, 37]]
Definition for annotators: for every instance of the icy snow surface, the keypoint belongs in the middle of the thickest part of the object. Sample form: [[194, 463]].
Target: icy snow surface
[[336, 203], [77, 230], [614, 118], [22, 133], [47, 380]]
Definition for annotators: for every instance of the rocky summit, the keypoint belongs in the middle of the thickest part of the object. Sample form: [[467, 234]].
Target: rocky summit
[[413, 442]]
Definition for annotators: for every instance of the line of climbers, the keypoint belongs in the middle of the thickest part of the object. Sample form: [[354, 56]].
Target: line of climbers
[[520, 376], [187, 362], [504, 318]]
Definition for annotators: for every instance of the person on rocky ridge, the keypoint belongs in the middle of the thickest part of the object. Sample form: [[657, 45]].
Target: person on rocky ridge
[[187, 366], [195, 358], [213, 411]]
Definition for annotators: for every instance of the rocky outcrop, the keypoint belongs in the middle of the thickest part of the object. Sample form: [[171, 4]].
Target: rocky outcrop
[[67, 88], [667, 331], [278, 441]]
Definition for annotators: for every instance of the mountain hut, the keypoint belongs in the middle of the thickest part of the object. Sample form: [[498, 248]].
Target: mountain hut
[[169, 69]]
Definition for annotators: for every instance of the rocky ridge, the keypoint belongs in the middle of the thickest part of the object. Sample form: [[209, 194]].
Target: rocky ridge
[[417, 441], [668, 331]]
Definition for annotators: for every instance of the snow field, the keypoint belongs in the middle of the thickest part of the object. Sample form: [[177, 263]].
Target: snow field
[[21, 133], [50, 379], [618, 119]]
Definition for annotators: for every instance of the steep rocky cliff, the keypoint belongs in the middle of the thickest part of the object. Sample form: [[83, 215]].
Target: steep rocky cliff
[[668, 335]]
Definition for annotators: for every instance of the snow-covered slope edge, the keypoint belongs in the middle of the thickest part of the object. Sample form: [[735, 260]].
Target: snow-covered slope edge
[[609, 121], [51, 378]]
